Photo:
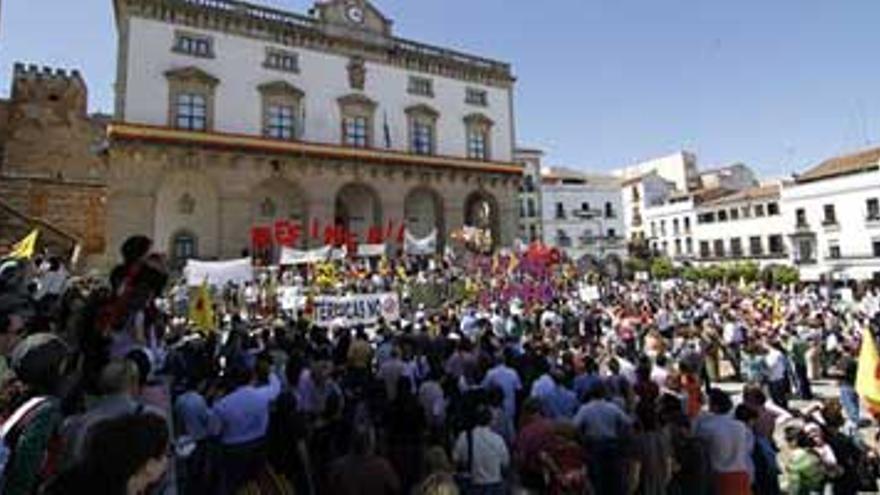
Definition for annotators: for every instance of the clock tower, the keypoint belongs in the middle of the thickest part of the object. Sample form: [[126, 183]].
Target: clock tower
[[354, 19]]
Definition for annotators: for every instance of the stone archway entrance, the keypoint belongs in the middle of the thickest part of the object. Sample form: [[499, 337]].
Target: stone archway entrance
[[423, 213], [358, 208], [481, 212]]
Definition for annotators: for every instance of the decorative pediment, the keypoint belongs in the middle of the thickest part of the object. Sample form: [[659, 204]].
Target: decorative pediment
[[191, 73], [478, 119], [357, 100], [422, 110], [358, 15], [280, 88]]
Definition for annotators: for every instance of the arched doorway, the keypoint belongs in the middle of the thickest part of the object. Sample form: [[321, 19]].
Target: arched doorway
[[357, 209], [423, 213], [481, 212]]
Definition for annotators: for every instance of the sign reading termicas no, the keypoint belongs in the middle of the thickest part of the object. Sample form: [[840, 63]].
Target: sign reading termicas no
[[361, 309]]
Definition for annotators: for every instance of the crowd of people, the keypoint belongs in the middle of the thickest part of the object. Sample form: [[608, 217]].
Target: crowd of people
[[644, 388]]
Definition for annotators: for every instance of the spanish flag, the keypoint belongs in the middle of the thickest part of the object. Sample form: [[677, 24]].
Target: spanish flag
[[25, 247], [868, 376], [201, 311]]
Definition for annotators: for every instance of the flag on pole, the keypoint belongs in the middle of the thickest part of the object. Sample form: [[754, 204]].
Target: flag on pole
[[514, 264], [201, 312], [387, 130], [25, 248], [868, 375]]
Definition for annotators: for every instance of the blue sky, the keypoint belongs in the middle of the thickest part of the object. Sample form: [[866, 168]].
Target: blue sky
[[777, 85]]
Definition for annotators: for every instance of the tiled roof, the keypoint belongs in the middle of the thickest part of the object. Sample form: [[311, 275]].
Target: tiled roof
[[860, 161], [770, 191]]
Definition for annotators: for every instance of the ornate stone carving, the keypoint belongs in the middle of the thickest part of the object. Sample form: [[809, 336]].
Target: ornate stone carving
[[186, 205], [357, 73]]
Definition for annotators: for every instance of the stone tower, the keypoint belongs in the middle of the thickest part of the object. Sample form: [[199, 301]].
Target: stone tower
[[48, 130]]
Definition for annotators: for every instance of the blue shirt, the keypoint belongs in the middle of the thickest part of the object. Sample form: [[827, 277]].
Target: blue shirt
[[243, 415], [192, 409], [585, 383]]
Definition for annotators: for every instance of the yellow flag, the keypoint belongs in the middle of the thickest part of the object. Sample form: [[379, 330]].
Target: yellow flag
[[514, 264], [25, 247], [201, 311], [867, 382], [495, 264]]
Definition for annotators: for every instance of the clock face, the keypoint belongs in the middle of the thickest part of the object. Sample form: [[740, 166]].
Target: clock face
[[355, 14]]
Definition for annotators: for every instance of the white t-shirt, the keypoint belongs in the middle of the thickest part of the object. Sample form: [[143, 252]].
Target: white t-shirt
[[490, 455]]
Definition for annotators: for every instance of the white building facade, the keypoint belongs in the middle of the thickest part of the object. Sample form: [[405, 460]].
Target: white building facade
[[232, 118], [832, 218], [583, 214], [530, 195]]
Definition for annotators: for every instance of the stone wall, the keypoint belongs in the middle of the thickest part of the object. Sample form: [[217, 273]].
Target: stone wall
[[77, 208], [217, 196]]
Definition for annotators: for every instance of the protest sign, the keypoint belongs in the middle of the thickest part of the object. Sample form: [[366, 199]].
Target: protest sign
[[359, 309], [218, 273]]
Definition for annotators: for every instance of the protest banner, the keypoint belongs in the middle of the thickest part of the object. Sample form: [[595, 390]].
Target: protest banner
[[359, 309], [218, 273], [290, 256], [421, 247]]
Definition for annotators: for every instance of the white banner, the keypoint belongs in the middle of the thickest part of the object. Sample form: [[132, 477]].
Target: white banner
[[290, 298], [361, 309], [371, 250], [218, 273], [424, 246], [291, 256]]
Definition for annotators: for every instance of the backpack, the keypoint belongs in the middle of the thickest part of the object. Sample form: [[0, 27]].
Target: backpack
[[565, 468], [11, 431]]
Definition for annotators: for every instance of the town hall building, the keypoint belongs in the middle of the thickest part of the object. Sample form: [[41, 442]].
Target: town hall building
[[230, 116]]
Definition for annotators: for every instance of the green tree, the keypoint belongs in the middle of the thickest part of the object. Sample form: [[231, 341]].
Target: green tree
[[662, 269]]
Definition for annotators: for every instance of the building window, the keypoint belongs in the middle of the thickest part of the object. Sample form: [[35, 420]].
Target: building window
[[678, 247], [834, 251], [775, 244], [663, 228], [876, 245], [653, 229], [830, 215], [755, 248], [280, 122], [689, 245], [191, 112], [422, 138], [562, 238], [196, 45], [191, 98], [422, 123], [476, 96], [805, 252], [800, 216], [477, 129], [522, 210], [355, 132], [873, 206], [734, 213], [772, 209], [357, 120], [532, 211], [675, 226], [706, 217], [722, 216], [533, 233], [281, 60], [759, 210], [746, 211], [183, 247], [635, 194], [585, 207], [687, 225], [736, 249], [609, 210], [612, 233], [560, 211], [719, 248], [421, 86], [704, 250]]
